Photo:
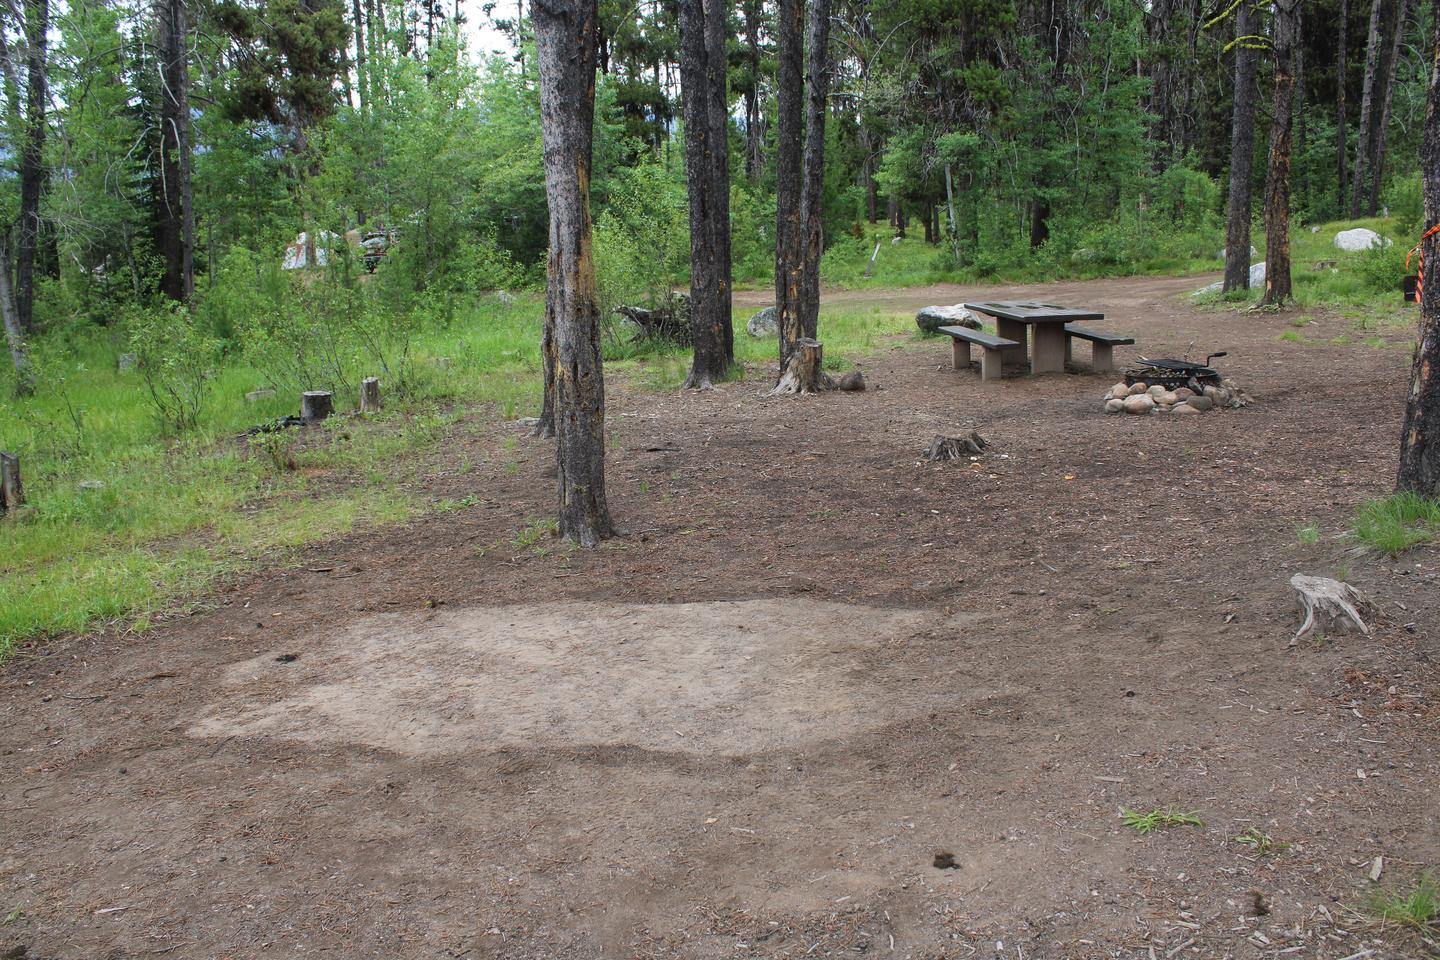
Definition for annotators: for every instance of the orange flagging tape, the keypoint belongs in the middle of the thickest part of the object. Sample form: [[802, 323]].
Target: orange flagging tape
[[1420, 265]]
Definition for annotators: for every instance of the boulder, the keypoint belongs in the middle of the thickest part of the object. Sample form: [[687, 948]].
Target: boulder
[[1184, 408], [1138, 388], [1114, 406], [1140, 403], [1200, 404], [1359, 238], [1257, 280], [1156, 391], [766, 323], [1121, 389], [1169, 398], [1183, 393], [931, 319]]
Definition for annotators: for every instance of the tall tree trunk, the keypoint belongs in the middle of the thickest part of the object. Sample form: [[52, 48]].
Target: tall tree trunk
[[1242, 157], [1277, 180], [789, 146], [702, 80], [565, 48], [1367, 104], [32, 160], [1419, 469], [362, 84], [1387, 96], [754, 125], [1342, 139], [177, 214], [14, 333], [817, 91]]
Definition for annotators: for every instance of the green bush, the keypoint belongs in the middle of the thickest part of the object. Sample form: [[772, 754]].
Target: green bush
[[176, 359], [1397, 522], [1381, 268]]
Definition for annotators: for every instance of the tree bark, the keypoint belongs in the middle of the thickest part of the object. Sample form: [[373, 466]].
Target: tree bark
[[702, 80], [565, 49], [1387, 96], [1367, 103], [32, 160], [817, 91], [1277, 180], [14, 333], [362, 84], [789, 144], [1419, 469], [1342, 138], [177, 214], [1242, 157], [754, 122]]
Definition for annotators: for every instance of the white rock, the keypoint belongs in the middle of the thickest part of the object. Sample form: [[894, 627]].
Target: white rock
[[1257, 280], [1114, 406], [1359, 238], [1156, 391], [1140, 403], [1138, 388]]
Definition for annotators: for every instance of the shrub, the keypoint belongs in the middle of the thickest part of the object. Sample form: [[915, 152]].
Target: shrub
[[176, 358], [1397, 522], [1381, 268]]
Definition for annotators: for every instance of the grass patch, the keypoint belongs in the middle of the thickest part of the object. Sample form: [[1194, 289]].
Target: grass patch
[[1308, 536], [1260, 841], [1398, 522], [1147, 823], [1416, 907]]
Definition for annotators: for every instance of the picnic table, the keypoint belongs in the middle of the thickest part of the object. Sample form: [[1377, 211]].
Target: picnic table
[[1013, 317]]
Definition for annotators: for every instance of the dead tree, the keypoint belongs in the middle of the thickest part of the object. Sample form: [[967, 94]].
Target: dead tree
[[707, 166], [817, 94], [565, 48], [1242, 154], [1277, 179], [1419, 469], [789, 212]]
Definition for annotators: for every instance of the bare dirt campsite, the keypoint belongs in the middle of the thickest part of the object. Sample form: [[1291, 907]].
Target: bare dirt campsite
[[823, 698]]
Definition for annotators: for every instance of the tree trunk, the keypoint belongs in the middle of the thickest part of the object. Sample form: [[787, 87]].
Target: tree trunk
[[1342, 139], [361, 83], [1419, 469], [1367, 103], [1242, 157], [817, 92], [702, 77], [565, 48], [14, 333], [177, 214], [803, 372], [1277, 180], [1387, 96], [754, 126], [789, 144], [32, 160]]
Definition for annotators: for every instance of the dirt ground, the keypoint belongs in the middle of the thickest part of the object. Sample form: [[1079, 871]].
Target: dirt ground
[[814, 663]]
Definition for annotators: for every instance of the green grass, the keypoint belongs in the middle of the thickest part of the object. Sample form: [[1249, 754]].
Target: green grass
[[1308, 535], [1416, 907], [1147, 823], [1259, 841], [1398, 522]]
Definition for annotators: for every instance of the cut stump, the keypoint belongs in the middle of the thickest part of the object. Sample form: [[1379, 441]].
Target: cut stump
[[802, 373], [369, 394], [316, 405], [1333, 606], [955, 448], [12, 492]]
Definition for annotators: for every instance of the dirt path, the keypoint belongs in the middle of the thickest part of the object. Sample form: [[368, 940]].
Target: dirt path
[[815, 663]]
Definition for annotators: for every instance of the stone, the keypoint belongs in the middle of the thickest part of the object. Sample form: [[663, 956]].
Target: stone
[[1139, 403], [1185, 409], [930, 319], [1358, 239], [1156, 391], [505, 297], [1200, 404], [1120, 389], [1114, 406], [853, 381], [1169, 398], [128, 362], [255, 396], [1257, 280], [766, 323], [92, 484], [1183, 393], [1137, 388]]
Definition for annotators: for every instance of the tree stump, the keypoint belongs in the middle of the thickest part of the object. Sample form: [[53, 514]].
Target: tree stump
[[955, 448], [369, 394], [802, 373], [316, 405], [1330, 604], [12, 492]]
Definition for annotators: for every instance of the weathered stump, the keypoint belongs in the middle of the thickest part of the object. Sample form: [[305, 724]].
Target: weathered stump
[[1331, 605], [316, 405], [955, 448], [369, 394], [802, 373], [12, 492]]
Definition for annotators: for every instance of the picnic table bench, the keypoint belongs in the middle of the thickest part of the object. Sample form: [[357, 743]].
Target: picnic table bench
[[1055, 327], [1102, 345], [992, 350]]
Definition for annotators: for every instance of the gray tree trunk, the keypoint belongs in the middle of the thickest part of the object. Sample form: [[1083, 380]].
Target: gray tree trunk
[[1387, 96], [14, 332], [1367, 104], [565, 49], [789, 145], [177, 213], [1419, 469], [817, 91], [1342, 138], [32, 159], [1242, 158], [1277, 180]]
